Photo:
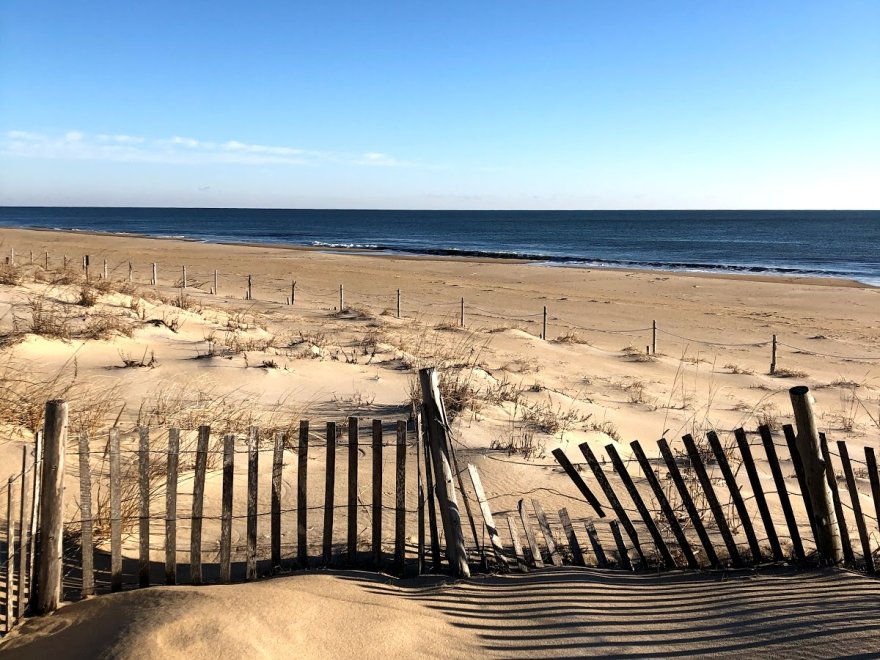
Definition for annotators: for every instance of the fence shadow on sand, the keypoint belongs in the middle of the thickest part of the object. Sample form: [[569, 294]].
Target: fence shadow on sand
[[572, 612]]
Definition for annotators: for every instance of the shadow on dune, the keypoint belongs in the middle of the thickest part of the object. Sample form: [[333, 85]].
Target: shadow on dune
[[576, 612]]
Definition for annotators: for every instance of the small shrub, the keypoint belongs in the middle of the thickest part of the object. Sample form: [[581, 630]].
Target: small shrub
[[87, 296], [10, 275]]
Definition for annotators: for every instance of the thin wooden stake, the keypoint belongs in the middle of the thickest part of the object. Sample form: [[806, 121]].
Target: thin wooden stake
[[537, 560], [517, 546], [420, 505], [35, 514], [735, 494], [253, 447], [352, 488], [688, 503], [758, 490], [612, 499], [432, 511], [575, 476], [712, 499], [22, 535], [489, 521], [115, 513], [671, 519], [400, 500], [226, 509], [573, 545], [856, 506], [782, 492], [275, 513], [10, 555], [144, 507], [593, 535], [544, 524], [198, 500], [50, 561], [640, 506], [171, 506], [329, 494], [302, 501], [377, 492], [87, 525]]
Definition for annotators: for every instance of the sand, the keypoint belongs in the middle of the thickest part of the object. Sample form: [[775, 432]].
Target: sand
[[223, 359]]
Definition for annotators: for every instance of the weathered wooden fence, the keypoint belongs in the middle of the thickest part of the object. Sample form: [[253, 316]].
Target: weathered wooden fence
[[146, 491]]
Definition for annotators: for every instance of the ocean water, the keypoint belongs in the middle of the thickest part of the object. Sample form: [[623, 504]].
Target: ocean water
[[808, 243]]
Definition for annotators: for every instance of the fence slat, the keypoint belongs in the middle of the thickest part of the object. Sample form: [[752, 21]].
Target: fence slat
[[400, 500], [874, 478], [275, 515], [831, 477], [612, 499], [115, 513], [302, 501], [671, 519], [640, 506], [377, 493], [574, 546], [782, 492], [797, 463], [856, 506], [35, 512], [622, 552], [198, 500], [329, 494], [10, 550], [578, 481], [420, 502], [22, 535], [144, 507], [544, 524], [733, 487], [757, 489], [486, 510], [593, 535], [86, 526], [253, 446], [517, 546], [171, 506], [712, 499], [432, 511], [226, 509], [352, 489], [688, 502], [537, 560]]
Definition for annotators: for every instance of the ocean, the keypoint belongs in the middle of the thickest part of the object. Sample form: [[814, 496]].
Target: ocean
[[806, 243]]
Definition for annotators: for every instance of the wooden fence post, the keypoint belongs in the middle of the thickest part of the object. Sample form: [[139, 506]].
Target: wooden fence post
[[400, 500], [144, 517], [275, 513], [431, 493], [654, 337], [115, 513], [86, 524], [49, 564], [22, 536], [398, 303], [462, 313], [35, 513], [435, 417], [226, 508], [352, 489], [773, 356], [544, 331], [253, 445], [198, 501], [171, 507], [184, 277], [329, 494], [154, 278], [10, 555], [828, 540], [341, 299], [215, 291], [377, 492], [302, 504]]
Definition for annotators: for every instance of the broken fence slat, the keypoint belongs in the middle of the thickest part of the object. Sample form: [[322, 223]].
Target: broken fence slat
[[544, 524], [488, 519], [537, 560], [598, 551], [622, 552], [577, 555], [517, 546]]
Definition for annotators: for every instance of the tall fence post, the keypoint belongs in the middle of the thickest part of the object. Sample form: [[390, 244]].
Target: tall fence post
[[48, 592], [828, 541], [544, 331], [398, 303], [773, 356], [214, 291], [184, 277], [341, 298], [461, 322], [154, 278], [654, 337], [435, 416]]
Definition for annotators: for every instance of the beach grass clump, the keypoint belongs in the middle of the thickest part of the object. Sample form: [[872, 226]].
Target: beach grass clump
[[45, 318], [10, 275], [789, 373], [633, 354], [88, 296], [570, 337]]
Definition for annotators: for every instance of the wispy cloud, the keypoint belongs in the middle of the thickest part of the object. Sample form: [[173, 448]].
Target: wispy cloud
[[77, 145]]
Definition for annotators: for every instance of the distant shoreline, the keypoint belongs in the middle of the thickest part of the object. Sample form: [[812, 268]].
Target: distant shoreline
[[815, 280]]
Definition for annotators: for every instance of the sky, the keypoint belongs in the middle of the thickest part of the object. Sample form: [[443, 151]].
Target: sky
[[473, 105]]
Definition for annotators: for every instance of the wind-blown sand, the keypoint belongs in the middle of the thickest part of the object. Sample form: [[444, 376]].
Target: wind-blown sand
[[223, 356]]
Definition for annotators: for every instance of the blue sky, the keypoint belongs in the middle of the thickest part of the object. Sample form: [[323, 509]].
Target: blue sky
[[459, 105]]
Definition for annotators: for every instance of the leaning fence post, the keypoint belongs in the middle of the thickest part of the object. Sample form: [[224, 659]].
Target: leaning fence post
[[456, 550], [51, 507], [828, 541]]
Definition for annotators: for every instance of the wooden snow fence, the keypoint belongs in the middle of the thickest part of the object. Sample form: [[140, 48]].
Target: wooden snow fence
[[176, 506]]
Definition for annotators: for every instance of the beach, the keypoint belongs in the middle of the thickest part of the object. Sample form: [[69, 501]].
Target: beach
[[628, 354]]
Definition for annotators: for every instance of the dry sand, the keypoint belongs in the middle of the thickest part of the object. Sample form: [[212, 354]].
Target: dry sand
[[225, 357]]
